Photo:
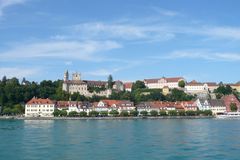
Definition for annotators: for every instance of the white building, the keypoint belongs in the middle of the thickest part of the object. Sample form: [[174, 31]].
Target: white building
[[83, 87], [215, 105], [195, 87], [38, 107], [159, 83]]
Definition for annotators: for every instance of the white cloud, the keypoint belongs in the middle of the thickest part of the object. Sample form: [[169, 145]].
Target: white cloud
[[202, 54], [86, 50], [223, 32], [122, 31], [17, 72], [7, 3]]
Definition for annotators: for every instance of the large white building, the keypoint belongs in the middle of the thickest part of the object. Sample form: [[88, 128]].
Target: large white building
[[38, 107], [195, 87], [159, 83], [83, 87]]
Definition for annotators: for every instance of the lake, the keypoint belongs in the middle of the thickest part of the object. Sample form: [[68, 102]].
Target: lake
[[170, 139]]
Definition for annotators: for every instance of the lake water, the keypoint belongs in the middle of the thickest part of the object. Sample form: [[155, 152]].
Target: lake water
[[120, 139]]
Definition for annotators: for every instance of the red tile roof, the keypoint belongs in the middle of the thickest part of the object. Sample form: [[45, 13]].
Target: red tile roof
[[128, 85], [40, 101]]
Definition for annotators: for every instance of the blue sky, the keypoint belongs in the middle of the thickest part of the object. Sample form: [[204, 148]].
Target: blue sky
[[134, 39]]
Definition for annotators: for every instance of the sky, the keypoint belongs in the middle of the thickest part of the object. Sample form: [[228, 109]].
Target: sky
[[132, 40]]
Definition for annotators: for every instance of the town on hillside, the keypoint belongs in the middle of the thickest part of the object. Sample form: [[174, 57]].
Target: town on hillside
[[172, 96]]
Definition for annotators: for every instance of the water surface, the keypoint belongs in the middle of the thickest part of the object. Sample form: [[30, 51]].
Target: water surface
[[120, 139]]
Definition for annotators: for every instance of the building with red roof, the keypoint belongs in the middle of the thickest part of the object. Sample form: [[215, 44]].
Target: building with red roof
[[39, 107]]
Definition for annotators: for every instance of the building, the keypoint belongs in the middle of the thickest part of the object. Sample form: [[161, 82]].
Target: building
[[85, 87], [158, 106], [217, 106], [38, 107], [159, 83], [165, 90], [118, 85], [231, 99], [195, 87], [128, 86], [203, 104], [189, 105], [119, 105], [236, 87]]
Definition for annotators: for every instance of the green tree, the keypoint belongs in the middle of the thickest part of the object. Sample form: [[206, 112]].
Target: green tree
[[181, 84], [104, 113], [233, 107], [124, 114], [138, 85], [73, 114], [114, 113], [191, 113], [83, 114], [93, 114], [56, 113], [154, 113], [144, 113], [181, 113], [7, 111], [207, 113], [134, 113], [163, 113], [63, 113], [110, 81], [172, 113]]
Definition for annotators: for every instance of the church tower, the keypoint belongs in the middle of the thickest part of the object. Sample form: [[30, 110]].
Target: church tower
[[76, 76], [66, 76]]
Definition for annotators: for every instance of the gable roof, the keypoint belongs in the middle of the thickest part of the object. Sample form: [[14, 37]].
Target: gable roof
[[40, 101]]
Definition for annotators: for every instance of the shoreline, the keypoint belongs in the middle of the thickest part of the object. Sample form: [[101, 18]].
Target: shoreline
[[103, 118]]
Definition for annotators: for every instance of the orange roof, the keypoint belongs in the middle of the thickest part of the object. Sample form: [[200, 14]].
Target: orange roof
[[128, 85], [40, 101]]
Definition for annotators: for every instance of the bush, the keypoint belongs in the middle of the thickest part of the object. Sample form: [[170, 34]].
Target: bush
[[207, 113], [63, 113], [104, 113], [56, 113], [93, 114], [124, 114], [172, 113], [83, 114], [73, 114], [154, 113], [144, 113], [7, 111], [181, 113], [134, 113], [191, 113], [114, 113], [163, 113]]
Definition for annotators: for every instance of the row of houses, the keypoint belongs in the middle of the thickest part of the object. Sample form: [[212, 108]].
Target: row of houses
[[38, 107]]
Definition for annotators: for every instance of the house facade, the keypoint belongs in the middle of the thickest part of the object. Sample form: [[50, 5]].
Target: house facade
[[119, 105], [159, 83], [195, 87], [38, 107]]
